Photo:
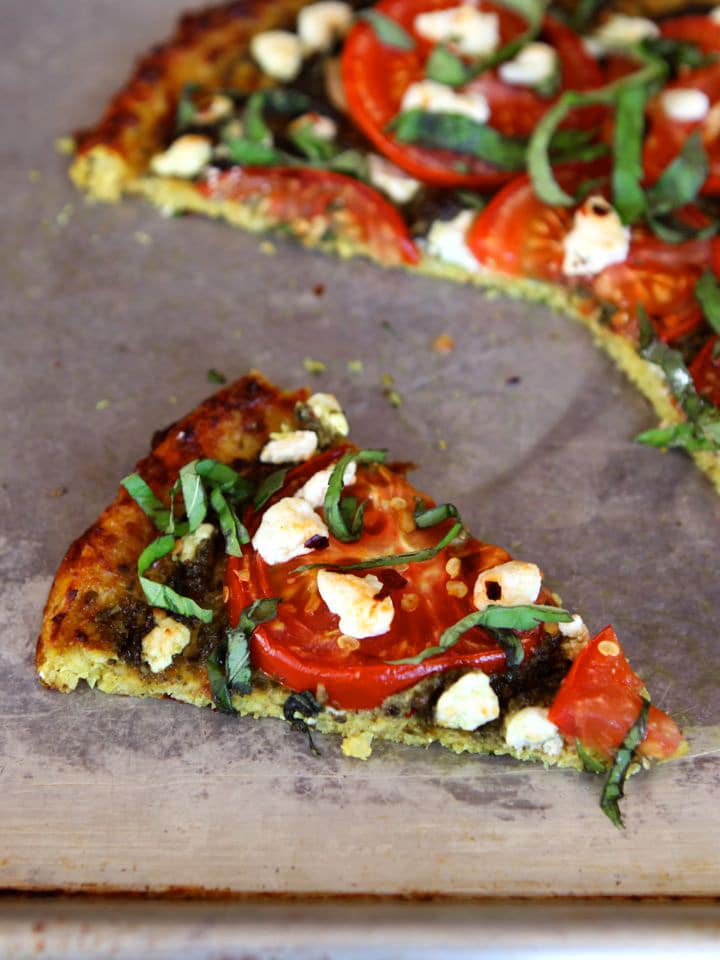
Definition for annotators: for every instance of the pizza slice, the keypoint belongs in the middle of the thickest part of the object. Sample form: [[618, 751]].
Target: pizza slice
[[494, 143], [260, 563]]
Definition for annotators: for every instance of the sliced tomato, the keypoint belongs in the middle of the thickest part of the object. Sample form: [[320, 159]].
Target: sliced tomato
[[665, 136], [600, 699], [304, 647], [705, 371], [376, 77], [704, 32], [314, 202]]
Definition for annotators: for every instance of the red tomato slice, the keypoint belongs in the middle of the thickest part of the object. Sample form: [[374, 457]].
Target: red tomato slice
[[705, 371], [704, 32], [519, 234], [312, 201], [665, 136], [376, 77], [600, 699], [303, 647]]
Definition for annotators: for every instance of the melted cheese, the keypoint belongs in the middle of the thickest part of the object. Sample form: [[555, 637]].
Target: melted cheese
[[278, 53], [465, 27], [597, 239], [353, 600], [293, 447], [185, 157], [468, 704], [285, 528], [164, 641], [507, 585]]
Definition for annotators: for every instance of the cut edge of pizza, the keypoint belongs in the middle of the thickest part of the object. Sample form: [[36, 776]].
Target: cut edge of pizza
[[259, 563]]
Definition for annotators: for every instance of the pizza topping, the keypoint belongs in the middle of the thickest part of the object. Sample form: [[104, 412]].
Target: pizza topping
[[285, 529], [393, 181], [685, 104], [329, 414], [355, 600], [165, 640], [619, 31], [185, 157], [597, 239], [530, 728], [315, 489], [468, 704], [447, 241], [228, 666], [432, 97], [536, 65], [186, 547], [465, 28], [320, 24], [291, 447], [278, 53], [219, 107], [507, 585], [316, 124]]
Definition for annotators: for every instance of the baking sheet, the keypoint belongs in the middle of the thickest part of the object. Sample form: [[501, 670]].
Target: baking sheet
[[111, 318]]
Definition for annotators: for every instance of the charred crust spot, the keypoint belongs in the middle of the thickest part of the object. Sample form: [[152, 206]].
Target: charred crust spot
[[58, 619], [80, 636], [71, 594]]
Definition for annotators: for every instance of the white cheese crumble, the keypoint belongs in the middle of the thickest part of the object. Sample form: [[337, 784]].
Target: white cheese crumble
[[620, 31], [469, 703], [185, 157], [278, 53], [575, 629], [164, 641], [219, 107], [292, 447], [327, 410], [446, 241], [316, 487], [530, 728], [389, 178], [715, 14], [685, 104], [321, 24], [597, 239], [323, 127], [465, 27], [534, 64], [285, 528], [353, 600], [437, 98], [507, 585], [186, 548]]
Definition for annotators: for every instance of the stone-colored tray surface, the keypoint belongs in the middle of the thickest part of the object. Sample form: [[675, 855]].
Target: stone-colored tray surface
[[111, 318]]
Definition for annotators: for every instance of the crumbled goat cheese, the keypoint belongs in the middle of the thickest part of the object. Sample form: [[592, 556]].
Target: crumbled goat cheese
[[292, 447], [393, 181], [437, 98], [278, 53], [165, 640], [597, 239], [327, 410], [285, 528], [465, 27], [219, 107], [186, 548], [685, 104], [534, 64], [316, 487], [530, 728], [323, 127], [185, 157], [469, 703], [321, 24], [353, 600], [507, 585], [620, 31], [446, 241]]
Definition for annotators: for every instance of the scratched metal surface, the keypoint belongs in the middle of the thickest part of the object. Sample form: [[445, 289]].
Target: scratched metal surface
[[111, 317]]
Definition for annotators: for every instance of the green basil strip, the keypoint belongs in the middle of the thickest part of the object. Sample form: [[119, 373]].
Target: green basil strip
[[193, 494], [431, 516], [354, 163], [511, 646], [147, 501], [493, 617], [692, 437], [453, 131], [177, 528], [672, 229], [185, 111], [584, 13], [297, 709], [160, 595], [443, 66], [270, 485], [388, 31], [275, 101], [628, 194], [311, 145], [613, 789], [681, 180], [249, 153], [589, 762], [532, 12], [230, 525], [678, 53], [222, 476], [707, 293], [335, 517], [237, 659], [218, 684]]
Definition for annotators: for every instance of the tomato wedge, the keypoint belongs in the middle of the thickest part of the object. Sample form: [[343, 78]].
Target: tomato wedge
[[313, 202], [600, 699], [704, 32], [304, 648], [376, 77], [705, 371]]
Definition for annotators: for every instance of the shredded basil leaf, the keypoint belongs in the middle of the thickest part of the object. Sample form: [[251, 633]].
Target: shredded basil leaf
[[443, 66], [388, 31], [185, 111], [248, 153], [311, 145], [511, 645], [193, 494], [589, 762], [230, 524], [584, 13], [270, 485], [237, 661], [453, 131], [222, 476], [147, 501], [159, 594], [425, 516], [346, 523], [274, 101], [681, 180], [707, 293], [494, 618], [678, 53], [628, 194], [613, 789], [297, 709], [215, 376], [218, 683]]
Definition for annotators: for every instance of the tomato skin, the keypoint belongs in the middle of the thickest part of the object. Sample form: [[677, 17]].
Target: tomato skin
[[704, 32], [299, 195], [303, 646], [705, 371], [376, 76], [600, 699]]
